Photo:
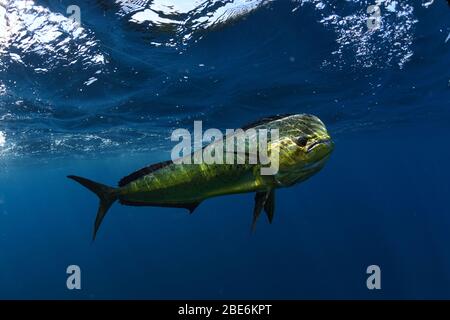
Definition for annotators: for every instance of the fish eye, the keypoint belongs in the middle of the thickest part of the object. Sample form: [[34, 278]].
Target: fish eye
[[301, 141]]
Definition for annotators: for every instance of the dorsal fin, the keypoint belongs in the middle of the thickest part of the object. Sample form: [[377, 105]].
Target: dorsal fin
[[265, 120], [142, 172]]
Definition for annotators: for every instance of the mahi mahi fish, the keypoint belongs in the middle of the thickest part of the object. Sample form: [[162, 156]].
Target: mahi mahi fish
[[303, 145]]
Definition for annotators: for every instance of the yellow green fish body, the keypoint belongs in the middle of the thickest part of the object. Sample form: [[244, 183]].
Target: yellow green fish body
[[303, 145]]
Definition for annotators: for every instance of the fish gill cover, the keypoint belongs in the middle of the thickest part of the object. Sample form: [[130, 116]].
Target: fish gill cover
[[133, 70]]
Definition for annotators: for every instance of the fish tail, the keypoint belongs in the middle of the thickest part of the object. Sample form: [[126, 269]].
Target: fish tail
[[106, 194]]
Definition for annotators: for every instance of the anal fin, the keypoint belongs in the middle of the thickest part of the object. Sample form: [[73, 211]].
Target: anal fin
[[191, 206]]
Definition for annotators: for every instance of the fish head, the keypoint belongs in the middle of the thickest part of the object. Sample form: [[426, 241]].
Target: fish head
[[304, 148]]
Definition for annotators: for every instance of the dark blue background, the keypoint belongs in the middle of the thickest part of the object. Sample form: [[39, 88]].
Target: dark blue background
[[382, 198]]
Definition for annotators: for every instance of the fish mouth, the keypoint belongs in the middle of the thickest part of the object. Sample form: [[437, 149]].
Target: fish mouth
[[316, 165], [327, 142]]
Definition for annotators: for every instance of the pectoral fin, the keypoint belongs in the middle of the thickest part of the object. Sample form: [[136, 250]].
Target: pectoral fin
[[264, 200], [260, 199], [269, 206]]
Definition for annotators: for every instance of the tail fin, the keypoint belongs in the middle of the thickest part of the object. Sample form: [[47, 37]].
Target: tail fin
[[107, 196]]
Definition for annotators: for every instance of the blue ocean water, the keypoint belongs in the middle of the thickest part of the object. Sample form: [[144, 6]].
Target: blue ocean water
[[99, 98]]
